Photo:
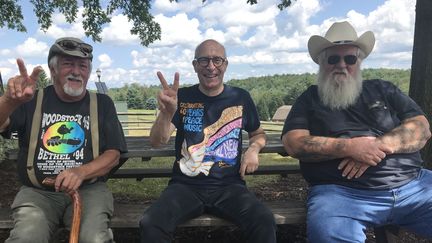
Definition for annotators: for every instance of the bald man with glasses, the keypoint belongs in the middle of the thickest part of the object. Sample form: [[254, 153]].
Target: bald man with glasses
[[209, 168], [358, 143]]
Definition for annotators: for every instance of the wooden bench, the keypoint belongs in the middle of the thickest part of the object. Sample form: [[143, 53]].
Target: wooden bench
[[285, 212], [293, 212], [127, 215]]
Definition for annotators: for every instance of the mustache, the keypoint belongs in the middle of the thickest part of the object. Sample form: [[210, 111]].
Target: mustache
[[344, 71], [73, 77]]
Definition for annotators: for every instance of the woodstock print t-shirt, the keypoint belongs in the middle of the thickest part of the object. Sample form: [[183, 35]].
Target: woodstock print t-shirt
[[64, 139], [209, 135]]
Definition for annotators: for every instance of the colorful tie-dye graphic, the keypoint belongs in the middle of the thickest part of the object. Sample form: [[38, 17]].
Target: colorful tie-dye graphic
[[220, 143], [63, 137]]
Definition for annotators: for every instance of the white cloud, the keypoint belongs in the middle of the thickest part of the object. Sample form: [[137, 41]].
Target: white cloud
[[263, 36], [391, 21], [284, 43], [260, 39], [299, 13], [32, 47], [182, 6], [6, 72], [61, 28], [105, 61], [234, 34], [238, 13], [5, 52], [215, 34], [178, 30], [118, 31]]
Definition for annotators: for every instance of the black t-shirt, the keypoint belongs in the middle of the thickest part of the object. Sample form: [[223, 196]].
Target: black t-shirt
[[64, 139], [209, 135], [380, 108]]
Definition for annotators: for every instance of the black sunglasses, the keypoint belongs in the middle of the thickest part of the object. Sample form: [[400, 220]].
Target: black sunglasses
[[205, 61], [348, 59], [71, 45]]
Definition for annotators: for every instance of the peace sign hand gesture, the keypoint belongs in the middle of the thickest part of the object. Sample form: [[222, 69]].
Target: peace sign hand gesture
[[167, 97], [21, 88]]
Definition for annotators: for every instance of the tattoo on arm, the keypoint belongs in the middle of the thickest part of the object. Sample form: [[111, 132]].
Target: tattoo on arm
[[319, 149], [409, 137]]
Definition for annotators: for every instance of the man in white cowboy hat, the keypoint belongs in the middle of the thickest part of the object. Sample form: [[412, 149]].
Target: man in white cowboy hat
[[358, 143], [57, 128]]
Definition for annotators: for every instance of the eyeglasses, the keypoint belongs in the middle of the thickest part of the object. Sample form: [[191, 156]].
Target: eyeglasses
[[71, 45], [205, 61], [348, 59]]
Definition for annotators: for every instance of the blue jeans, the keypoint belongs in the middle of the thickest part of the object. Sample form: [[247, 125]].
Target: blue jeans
[[179, 203], [341, 214]]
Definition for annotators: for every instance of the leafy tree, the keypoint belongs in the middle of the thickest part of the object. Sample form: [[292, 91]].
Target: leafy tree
[[94, 16], [275, 100], [134, 97], [118, 94], [262, 109], [151, 103], [43, 80]]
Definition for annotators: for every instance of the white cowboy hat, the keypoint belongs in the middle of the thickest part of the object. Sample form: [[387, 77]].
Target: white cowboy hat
[[340, 33]]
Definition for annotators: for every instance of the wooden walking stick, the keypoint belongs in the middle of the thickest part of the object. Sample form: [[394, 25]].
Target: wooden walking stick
[[77, 207]]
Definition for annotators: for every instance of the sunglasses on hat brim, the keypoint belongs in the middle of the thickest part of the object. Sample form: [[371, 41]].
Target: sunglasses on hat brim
[[71, 45]]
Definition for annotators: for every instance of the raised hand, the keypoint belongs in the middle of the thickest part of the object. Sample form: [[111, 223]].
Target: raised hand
[[21, 88], [167, 97]]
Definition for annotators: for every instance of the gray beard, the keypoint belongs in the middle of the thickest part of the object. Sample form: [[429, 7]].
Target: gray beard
[[339, 94], [69, 90], [72, 92]]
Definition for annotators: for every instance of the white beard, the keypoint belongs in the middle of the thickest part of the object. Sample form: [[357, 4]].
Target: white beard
[[341, 92], [71, 91]]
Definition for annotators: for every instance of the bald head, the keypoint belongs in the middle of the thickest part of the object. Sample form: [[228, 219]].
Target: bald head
[[205, 44]]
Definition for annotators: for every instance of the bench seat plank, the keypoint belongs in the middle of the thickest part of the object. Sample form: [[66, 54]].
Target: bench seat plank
[[285, 212], [128, 215]]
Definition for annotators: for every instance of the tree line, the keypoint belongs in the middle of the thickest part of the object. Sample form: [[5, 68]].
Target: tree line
[[268, 92]]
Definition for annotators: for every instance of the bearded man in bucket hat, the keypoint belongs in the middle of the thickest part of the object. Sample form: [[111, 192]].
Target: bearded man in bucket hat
[[57, 138], [358, 144]]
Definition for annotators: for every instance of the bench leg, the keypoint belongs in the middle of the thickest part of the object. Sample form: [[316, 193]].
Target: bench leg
[[386, 234]]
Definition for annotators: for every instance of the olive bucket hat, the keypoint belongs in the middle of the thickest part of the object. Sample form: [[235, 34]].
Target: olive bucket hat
[[340, 33], [70, 46]]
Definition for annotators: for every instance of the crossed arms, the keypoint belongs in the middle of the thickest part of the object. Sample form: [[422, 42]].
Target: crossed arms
[[361, 152]]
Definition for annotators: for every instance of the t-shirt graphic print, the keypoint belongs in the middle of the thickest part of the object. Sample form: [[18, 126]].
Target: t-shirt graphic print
[[63, 138], [220, 142]]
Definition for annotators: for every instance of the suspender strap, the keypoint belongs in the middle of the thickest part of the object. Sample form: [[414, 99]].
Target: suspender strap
[[94, 128], [34, 133]]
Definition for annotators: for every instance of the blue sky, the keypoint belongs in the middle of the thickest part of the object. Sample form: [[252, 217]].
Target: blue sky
[[260, 40]]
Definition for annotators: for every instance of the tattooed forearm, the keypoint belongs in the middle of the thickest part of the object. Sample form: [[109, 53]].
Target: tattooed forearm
[[317, 149], [314, 144], [409, 137]]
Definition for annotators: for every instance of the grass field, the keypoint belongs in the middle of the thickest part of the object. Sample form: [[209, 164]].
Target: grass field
[[150, 188]]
